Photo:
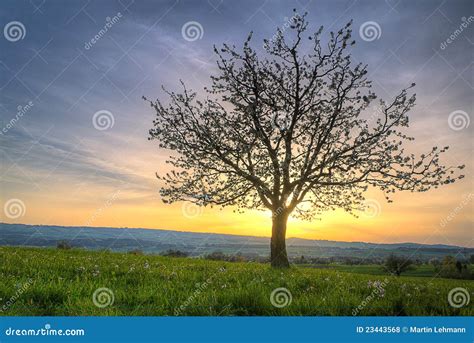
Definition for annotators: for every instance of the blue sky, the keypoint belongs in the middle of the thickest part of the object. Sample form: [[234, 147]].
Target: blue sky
[[54, 154]]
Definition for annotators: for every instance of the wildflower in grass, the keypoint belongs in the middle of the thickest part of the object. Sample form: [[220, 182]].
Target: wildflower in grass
[[147, 265], [376, 284]]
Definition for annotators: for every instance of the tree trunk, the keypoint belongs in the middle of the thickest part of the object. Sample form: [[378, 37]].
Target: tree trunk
[[279, 258]]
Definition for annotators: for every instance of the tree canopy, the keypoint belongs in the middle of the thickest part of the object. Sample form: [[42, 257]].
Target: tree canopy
[[293, 132], [283, 130]]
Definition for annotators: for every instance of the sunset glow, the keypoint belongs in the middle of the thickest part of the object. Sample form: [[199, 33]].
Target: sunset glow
[[67, 172]]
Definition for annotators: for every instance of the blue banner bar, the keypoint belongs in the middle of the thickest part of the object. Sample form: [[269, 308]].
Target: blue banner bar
[[236, 329]]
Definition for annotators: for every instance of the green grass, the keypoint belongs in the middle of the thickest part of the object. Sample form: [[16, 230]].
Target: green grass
[[376, 269], [63, 283]]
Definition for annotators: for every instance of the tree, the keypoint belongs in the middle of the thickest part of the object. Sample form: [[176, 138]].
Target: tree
[[434, 262], [175, 253], [397, 265], [284, 132], [453, 268], [63, 245]]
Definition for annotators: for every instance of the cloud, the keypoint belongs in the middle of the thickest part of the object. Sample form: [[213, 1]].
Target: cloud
[[54, 148]]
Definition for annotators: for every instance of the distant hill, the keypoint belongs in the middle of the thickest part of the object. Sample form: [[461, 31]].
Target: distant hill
[[196, 244]]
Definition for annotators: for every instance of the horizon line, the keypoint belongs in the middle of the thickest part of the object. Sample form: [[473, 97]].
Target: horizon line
[[230, 234]]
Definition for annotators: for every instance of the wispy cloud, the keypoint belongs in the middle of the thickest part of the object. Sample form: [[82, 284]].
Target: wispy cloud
[[55, 149]]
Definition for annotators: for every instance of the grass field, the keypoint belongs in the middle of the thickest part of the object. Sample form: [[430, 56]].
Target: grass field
[[425, 270], [35, 281], [375, 269]]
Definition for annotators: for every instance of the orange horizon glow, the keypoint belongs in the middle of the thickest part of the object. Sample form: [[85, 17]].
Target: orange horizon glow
[[429, 218], [67, 170]]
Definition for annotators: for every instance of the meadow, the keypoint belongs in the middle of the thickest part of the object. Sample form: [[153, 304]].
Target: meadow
[[426, 270], [55, 282]]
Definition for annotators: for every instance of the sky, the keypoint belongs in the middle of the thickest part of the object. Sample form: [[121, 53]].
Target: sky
[[73, 141]]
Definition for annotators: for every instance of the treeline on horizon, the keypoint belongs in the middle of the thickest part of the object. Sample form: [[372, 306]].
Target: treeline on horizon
[[446, 267]]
